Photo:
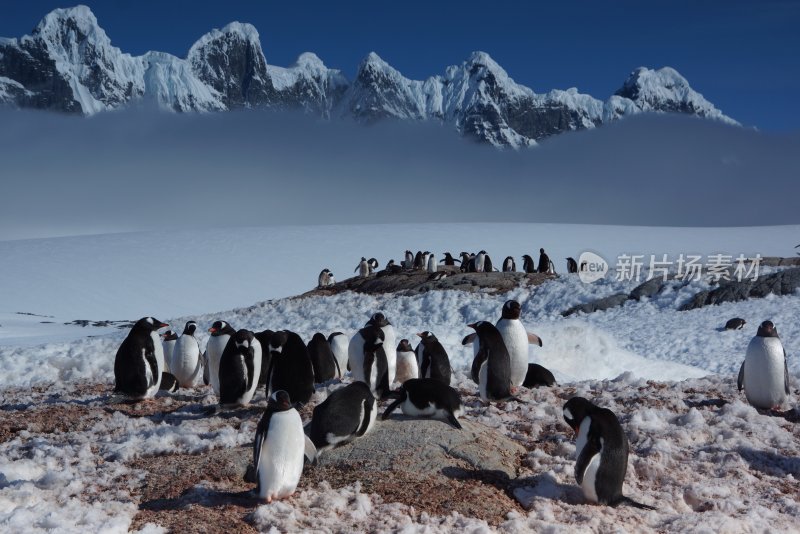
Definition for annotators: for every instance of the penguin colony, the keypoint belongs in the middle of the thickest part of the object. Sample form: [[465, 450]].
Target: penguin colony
[[236, 363]]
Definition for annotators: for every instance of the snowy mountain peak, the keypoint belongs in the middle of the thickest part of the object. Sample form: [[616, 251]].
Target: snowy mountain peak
[[79, 16], [309, 60], [483, 59]]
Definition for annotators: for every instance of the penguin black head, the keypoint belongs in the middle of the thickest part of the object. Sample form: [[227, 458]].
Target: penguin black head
[[363, 258], [278, 340], [482, 252], [169, 335], [426, 336], [218, 326], [373, 337], [575, 411], [150, 324], [243, 337], [404, 346], [767, 329], [511, 309], [541, 251], [378, 319], [478, 326], [280, 401], [190, 328]]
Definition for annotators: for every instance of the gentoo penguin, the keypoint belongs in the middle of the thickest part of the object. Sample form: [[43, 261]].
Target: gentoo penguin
[[572, 265], [221, 332], [389, 340], [408, 262], [544, 262], [449, 259], [406, 362], [347, 413], [338, 343], [322, 359], [419, 261], [434, 362], [325, 278], [432, 265], [487, 264], [362, 268], [516, 339], [279, 449], [509, 266], [263, 338], [735, 324], [373, 265], [527, 264], [239, 369], [538, 376], [168, 340], [140, 360], [467, 262], [290, 367], [186, 364], [764, 374], [601, 451], [368, 359], [480, 260], [426, 397], [491, 368], [391, 268]]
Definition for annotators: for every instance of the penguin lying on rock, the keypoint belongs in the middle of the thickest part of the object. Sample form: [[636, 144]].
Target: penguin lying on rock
[[427, 397]]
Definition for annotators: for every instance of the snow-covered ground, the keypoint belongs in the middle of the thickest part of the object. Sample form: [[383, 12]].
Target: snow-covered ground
[[73, 478]]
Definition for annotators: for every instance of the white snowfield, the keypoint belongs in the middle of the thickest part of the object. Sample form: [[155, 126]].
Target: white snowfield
[[683, 456]]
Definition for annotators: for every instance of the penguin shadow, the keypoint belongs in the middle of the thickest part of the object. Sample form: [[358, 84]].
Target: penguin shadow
[[770, 463], [203, 496], [545, 486], [792, 415], [705, 403]]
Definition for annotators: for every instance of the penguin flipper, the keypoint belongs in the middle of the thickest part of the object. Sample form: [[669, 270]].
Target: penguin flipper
[[533, 339], [453, 421], [392, 407], [168, 382], [150, 356], [469, 339], [740, 380], [630, 502], [310, 451], [206, 370], [588, 452], [261, 437], [785, 374], [482, 356]]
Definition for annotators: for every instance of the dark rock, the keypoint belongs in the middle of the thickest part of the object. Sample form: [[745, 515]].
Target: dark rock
[[648, 289], [598, 305], [780, 283]]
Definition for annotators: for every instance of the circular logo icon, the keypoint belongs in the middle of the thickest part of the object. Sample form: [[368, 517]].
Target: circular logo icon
[[591, 267]]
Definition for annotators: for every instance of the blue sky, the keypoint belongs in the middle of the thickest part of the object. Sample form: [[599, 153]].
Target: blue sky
[[743, 56]]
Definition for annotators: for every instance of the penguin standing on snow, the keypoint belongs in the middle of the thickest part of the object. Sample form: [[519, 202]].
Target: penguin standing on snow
[[389, 340], [347, 413], [220, 332], [339, 343], [434, 362], [491, 368], [527, 264], [509, 266], [168, 340], [290, 366], [426, 397], [322, 359], [362, 268], [764, 374], [186, 364], [516, 339], [140, 360], [239, 369], [368, 359], [602, 453], [279, 449], [406, 362], [572, 266]]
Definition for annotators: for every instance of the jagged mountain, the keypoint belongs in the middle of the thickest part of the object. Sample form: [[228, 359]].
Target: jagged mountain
[[68, 64]]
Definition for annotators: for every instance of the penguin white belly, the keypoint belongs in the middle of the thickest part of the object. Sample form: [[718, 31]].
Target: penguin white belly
[[216, 344], [409, 408], [355, 354], [248, 395], [154, 381], [390, 348], [590, 473], [373, 377], [764, 380], [169, 348], [185, 363], [373, 414], [406, 366], [515, 338], [281, 461], [479, 260], [483, 377], [419, 350], [432, 265], [339, 348]]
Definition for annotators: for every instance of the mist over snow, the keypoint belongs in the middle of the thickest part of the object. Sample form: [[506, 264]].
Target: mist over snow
[[145, 170]]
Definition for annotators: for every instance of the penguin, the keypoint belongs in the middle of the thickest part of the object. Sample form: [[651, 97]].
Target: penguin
[[544, 262], [185, 363], [406, 362], [325, 278], [764, 374], [480, 261], [220, 334], [434, 362], [427, 397], [538, 376], [362, 268], [432, 265], [509, 266], [516, 339], [139, 361], [601, 451], [338, 343], [572, 266], [348, 413], [735, 324], [419, 261], [279, 449], [527, 264], [239, 369], [263, 338], [487, 264], [290, 367], [408, 262], [449, 259], [322, 359], [393, 268], [368, 359], [168, 340], [491, 368], [382, 322], [372, 263], [467, 262]]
